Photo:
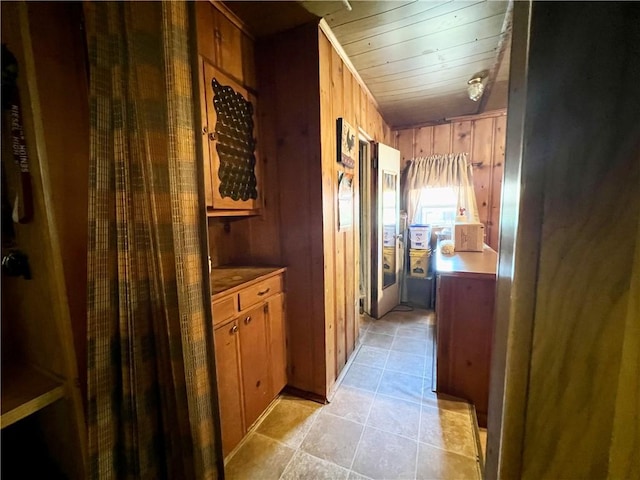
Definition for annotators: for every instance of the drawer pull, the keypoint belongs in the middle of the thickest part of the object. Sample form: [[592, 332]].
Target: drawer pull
[[264, 292], [247, 320], [234, 329]]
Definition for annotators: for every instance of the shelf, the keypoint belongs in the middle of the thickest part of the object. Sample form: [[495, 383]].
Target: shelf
[[26, 390], [233, 213]]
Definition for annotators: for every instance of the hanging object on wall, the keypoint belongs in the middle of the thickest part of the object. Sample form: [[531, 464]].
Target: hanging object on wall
[[235, 143], [19, 181], [345, 201], [347, 144]]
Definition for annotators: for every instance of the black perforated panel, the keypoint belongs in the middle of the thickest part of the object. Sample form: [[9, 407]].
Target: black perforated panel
[[235, 143]]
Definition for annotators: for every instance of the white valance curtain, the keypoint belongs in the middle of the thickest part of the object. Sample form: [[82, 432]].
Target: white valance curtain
[[451, 170]]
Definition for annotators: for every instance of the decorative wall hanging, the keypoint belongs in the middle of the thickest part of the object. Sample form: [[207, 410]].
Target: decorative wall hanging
[[345, 201], [235, 143], [347, 143], [19, 181]]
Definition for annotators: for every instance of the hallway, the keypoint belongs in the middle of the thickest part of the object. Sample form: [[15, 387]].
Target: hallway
[[384, 421]]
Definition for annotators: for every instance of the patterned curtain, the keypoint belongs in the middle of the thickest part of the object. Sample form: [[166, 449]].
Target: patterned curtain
[[150, 412]]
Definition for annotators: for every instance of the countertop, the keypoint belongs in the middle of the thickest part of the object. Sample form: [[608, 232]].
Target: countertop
[[466, 263], [225, 280]]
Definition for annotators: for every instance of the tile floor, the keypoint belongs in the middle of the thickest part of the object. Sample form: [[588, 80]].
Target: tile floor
[[384, 421]]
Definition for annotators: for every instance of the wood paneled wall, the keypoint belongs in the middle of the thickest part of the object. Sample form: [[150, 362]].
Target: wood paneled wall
[[303, 87], [44, 318], [288, 76], [484, 140], [569, 338], [341, 96], [58, 46]]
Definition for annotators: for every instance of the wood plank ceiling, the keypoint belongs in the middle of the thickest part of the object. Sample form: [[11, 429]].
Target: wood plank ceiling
[[416, 56]]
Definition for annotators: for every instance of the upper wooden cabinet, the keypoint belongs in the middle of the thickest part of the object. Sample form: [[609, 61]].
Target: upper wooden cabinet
[[228, 115], [224, 44], [229, 139]]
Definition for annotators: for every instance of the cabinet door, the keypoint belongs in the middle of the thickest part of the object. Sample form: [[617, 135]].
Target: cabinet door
[[204, 131], [231, 113], [254, 356], [229, 388], [277, 342], [228, 39]]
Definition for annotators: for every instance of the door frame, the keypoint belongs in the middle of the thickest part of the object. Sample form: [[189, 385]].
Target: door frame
[[520, 231], [364, 214]]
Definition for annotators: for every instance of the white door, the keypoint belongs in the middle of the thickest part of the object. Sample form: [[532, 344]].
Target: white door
[[385, 239]]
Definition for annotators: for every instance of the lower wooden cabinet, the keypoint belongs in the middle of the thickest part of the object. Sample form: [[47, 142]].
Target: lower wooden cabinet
[[277, 336], [465, 306], [251, 358], [255, 363], [229, 388]]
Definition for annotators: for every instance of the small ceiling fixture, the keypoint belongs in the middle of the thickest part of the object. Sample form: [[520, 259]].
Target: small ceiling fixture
[[475, 85]]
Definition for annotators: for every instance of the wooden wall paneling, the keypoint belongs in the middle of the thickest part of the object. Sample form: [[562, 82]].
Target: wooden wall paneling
[[282, 61], [423, 141], [229, 242], [623, 460], [364, 102], [60, 53], [351, 262], [484, 139], [263, 231], [316, 230], [497, 173], [482, 152], [461, 137], [404, 141], [335, 108], [327, 141], [442, 139], [341, 96], [566, 333], [39, 311], [355, 105], [579, 329]]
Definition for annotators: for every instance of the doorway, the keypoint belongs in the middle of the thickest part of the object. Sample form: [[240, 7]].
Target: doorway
[[381, 251]]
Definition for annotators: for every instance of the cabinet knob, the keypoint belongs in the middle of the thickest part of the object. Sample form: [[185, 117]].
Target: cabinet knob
[[234, 329], [16, 264], [212, 136], [205, 130], [247, 320]]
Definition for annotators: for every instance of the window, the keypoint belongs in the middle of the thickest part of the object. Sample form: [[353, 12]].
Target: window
[[437, 206]]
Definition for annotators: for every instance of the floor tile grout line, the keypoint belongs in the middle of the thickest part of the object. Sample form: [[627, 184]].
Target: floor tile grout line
[[366, 419], [424, 407], [415, 475]]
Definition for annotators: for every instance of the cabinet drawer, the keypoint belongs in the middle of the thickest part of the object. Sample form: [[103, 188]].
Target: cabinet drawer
[[224, 309], [258, 292]]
